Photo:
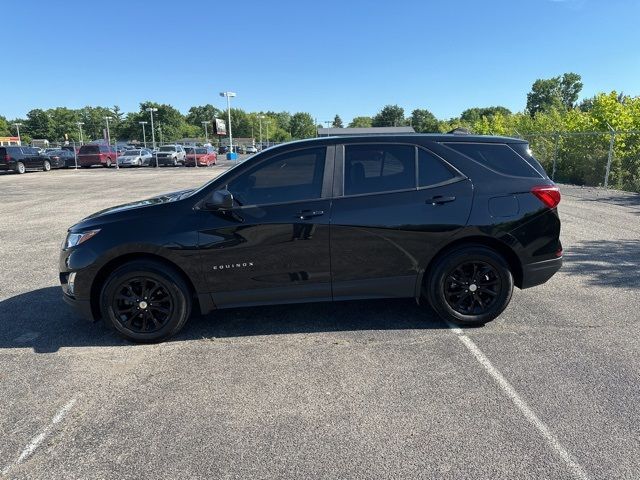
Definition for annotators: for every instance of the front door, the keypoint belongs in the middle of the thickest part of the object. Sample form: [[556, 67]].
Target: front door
[[273, 245]]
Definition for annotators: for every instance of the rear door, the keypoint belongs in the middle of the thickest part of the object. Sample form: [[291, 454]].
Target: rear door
[[273, 245], [395, 205], [31, 157]]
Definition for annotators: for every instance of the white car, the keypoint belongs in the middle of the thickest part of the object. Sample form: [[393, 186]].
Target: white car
[[251, 149], [135, 158]]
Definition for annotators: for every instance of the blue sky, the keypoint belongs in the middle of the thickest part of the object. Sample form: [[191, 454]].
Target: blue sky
[[325, 57]]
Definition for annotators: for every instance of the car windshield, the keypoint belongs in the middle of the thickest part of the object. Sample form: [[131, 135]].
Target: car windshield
[[167, 149], [201, 151], [132, 153]]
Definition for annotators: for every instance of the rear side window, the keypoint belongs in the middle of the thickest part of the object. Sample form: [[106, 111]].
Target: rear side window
[[525, 152], [431, 170], [90, 149], [496, 156], [378, 168]]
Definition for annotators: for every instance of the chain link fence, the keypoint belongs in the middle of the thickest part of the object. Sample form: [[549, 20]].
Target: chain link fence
[[610, 160]]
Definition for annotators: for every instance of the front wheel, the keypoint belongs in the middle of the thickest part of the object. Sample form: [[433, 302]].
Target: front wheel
[[145, 301], [20, 168], [46, 166], [470, 285]]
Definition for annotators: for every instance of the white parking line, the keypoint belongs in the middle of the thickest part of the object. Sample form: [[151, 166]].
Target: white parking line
[[37, 440], [518, 401]]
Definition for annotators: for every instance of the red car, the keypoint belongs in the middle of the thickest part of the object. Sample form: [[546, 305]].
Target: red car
[[90, 155], [206, 156]]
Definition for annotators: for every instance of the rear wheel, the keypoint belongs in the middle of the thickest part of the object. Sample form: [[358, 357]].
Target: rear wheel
[[470, 285], [46, 165], [20, 168], [145, 301]]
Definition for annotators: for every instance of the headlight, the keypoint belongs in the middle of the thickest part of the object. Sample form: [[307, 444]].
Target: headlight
[[74, 239]]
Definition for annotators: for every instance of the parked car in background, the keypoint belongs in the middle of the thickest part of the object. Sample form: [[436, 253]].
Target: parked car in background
[[241, 149], [139, 157], [20, 159], [172, 155], [103, 155], [205, 156], [62, 159], [251, 149], [222, 150]]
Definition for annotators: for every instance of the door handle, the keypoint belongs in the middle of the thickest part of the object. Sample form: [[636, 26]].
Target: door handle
[[439, 200], [307, 214]]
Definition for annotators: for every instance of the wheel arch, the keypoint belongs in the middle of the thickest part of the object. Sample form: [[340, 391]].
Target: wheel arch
[[500, 247], [114, 263]]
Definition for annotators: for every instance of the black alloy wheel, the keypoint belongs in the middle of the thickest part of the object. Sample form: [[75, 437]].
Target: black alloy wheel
[[471, 288], [142, 304], [145, 301], [470, 285]]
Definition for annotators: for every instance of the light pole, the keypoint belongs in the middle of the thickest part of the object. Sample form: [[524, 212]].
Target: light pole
[[206, 133], [229, 95], [153, 133], [109, 139], [80, 128], [260, 117], [18, 125], [144, 133]]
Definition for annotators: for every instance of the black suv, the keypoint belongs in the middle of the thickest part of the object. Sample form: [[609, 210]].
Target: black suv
[[21, 159], [454, 220]]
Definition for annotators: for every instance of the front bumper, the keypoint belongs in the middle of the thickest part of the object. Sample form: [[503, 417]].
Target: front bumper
[[539, 272], [81, 307]]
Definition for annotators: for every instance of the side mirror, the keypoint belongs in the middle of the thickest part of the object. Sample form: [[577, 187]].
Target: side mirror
[[220, 200]]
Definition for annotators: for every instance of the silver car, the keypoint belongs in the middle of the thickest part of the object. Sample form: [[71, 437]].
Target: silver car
[[171, 155], [135, 158]]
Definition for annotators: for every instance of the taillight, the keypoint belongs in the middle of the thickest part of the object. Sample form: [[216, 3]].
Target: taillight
[[547, 194], [7, 158]]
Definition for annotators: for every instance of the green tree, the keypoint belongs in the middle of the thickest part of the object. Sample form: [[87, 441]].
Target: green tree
[[337, 122], [302, 125], [423, 121], [472, 115], [39, 124], [389, 116], [361, 122], [5, 131], [203, 113], [554, 93]]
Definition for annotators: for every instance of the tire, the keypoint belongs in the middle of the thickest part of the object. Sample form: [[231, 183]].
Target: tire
[[108, 163], [471, 285], [20, 168], [171, 294], [46, 166], [175, 162]]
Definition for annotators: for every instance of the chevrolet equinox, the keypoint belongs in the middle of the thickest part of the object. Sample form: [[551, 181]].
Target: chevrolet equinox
[[452, 220]]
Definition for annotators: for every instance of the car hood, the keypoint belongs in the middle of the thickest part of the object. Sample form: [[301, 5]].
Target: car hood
[[114, 213]]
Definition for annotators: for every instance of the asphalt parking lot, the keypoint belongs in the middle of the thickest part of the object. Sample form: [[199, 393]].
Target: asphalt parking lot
[[378, 389]]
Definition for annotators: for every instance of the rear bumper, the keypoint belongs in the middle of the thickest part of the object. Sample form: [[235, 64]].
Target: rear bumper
[[539, 272]]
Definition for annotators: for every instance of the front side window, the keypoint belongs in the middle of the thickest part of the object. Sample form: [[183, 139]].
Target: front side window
[[378, 168], [289, 177]]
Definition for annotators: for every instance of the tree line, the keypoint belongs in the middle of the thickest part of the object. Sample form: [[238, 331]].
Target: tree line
[[552, 108]]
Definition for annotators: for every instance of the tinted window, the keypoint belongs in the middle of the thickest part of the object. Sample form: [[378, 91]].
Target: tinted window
[[525, 152], [285, 178], [167, 149], [431, 170], [89, 149], [496, 156], [378, 168]]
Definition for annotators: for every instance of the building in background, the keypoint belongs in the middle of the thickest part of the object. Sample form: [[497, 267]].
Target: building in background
[[6, 141], [333, 132]]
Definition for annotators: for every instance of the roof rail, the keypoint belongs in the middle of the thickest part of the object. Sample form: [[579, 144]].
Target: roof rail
[[459, 131]]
